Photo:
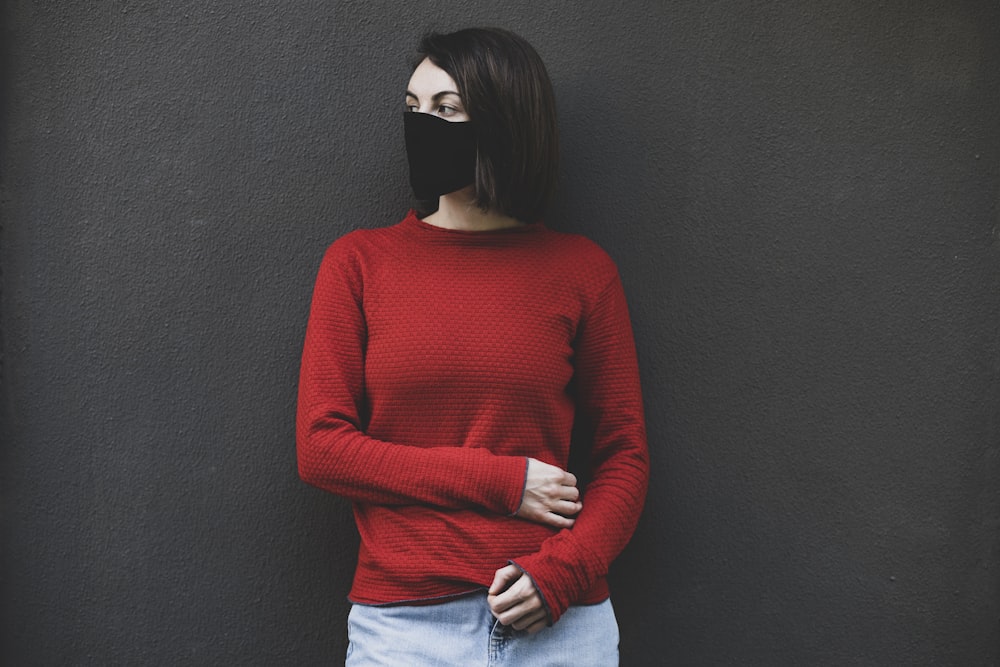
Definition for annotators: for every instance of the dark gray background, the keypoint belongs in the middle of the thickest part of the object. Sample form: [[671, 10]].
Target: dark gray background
[[803, 202]]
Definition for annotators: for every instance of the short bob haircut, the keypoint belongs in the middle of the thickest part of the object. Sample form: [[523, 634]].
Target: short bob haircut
[[507, 94]]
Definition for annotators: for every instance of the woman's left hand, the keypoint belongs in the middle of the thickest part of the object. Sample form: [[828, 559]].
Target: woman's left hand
[[515, 601]]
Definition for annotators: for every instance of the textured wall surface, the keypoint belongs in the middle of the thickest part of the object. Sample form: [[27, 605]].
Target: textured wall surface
[[803, 202]]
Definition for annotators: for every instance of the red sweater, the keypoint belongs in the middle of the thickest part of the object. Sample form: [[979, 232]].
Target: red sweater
[[435, 362]]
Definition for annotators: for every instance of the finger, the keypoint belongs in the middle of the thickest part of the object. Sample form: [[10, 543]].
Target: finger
[[505, 609], [503, 578], [569, 479], [570, 493], [538, 625], [567, 508], [520, 594], [526, 609], [556, 520], [528, 620]]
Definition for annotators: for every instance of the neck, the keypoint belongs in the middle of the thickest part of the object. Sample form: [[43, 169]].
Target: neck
[[458, 210]]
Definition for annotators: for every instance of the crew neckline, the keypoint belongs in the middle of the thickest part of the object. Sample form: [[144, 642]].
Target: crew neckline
[[416, 222]]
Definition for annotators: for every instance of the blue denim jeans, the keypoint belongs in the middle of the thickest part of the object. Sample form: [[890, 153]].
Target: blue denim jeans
[[463, 632]]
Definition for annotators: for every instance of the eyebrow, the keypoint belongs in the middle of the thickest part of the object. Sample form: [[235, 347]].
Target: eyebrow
[[436, 96]]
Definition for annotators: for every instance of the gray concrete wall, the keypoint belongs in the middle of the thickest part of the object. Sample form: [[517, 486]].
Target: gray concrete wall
[[803, 201]]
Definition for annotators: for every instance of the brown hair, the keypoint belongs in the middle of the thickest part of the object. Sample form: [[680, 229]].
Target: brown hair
[[508, 96]]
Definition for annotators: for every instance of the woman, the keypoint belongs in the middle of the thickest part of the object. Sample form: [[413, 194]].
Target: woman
[[446, 361]]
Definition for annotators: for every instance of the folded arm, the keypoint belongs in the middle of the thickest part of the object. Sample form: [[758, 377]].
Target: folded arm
[[336, 455], [608, 395]]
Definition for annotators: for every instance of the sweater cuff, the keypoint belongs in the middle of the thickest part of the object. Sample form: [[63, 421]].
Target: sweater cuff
[[559, 581], [524, 485]]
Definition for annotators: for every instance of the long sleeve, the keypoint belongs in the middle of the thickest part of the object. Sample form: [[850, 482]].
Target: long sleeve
[[336, 455], [608, 395]]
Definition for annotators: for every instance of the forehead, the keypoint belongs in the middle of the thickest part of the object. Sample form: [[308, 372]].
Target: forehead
[[429, 79]]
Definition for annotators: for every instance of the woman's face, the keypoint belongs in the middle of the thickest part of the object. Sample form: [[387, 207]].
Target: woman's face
[[431, 90]]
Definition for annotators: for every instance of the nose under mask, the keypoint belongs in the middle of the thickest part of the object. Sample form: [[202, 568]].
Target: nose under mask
[[441, 154]]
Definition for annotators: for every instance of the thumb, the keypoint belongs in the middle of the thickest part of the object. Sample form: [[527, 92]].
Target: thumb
[[503, 578]]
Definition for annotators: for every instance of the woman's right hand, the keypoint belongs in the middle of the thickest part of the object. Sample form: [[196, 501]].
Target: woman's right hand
[[550, 495]]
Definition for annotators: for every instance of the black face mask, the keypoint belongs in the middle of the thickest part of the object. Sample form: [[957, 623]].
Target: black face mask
[[442, 154]]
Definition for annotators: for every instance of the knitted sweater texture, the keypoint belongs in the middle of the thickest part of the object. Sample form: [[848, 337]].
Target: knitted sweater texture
[[436, 362]]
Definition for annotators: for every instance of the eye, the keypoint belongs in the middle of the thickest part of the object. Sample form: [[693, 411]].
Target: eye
[[412, 108], [447, 110]]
